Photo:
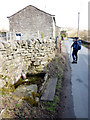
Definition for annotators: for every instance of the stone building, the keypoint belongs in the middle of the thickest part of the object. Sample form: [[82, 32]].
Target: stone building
[[58, 32], [3, 33], [35, 31], [30, 23]]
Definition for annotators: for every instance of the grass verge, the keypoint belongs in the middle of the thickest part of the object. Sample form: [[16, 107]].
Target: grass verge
[[86, 45], [56, 69]]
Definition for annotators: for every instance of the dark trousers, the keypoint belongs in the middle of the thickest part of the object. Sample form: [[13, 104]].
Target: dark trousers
[[74, 55]]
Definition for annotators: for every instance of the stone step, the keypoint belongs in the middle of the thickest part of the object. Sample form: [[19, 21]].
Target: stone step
[[49, 92]]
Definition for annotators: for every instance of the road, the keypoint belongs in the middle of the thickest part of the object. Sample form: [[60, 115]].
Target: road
[[79, 80]]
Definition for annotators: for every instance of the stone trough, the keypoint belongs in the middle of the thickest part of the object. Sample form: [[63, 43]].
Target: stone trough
[[31, 92], [29, 89]]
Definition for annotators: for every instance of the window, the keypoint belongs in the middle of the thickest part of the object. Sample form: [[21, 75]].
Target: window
[[18, 36]]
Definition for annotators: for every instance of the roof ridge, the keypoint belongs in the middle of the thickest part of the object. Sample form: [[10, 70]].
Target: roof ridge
[[31, 6]]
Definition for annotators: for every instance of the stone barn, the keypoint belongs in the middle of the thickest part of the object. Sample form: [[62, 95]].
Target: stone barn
[[30, 23], [33, 32]]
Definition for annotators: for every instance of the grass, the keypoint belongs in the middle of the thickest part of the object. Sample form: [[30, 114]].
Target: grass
[[51, 106], [17, 106], [7, 88], [59, 65], [31, 100], [86, 45]]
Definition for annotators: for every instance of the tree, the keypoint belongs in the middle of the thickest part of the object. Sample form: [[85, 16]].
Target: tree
[[63, 33]]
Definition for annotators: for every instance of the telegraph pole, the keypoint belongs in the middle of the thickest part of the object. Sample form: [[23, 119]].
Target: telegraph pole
[[78, 24]]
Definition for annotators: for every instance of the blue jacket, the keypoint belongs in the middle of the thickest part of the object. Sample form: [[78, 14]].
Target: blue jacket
[[76, 45]]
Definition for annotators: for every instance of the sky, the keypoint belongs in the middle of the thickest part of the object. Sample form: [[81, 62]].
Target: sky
[[65, 11]]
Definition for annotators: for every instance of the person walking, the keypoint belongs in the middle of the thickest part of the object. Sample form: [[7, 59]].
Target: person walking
[[76, 46]]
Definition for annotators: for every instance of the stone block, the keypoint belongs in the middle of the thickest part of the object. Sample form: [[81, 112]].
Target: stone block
[[9, 57], [1, 46], [25, 90], [37, 62], [0, 69], [6, 45], [2, 83], [44, 62]]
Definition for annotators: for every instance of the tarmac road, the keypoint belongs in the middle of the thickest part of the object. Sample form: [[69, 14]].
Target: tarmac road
[[79, 80]]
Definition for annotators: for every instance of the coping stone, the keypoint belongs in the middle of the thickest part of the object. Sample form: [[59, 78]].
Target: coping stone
[[50, 89]]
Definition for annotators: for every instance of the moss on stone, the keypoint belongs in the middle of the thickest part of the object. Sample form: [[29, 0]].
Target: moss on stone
[[1, 75], [7, 88], [33, 100]]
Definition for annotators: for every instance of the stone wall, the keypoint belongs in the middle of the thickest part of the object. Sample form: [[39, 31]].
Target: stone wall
[[31, 56]]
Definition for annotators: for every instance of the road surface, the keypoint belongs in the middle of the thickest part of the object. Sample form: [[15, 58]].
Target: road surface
[[79, 79]]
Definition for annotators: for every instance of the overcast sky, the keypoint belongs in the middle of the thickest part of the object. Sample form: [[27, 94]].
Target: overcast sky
[[65, 11]]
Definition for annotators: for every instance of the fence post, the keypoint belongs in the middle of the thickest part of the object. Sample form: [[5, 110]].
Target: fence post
[[60, 46]]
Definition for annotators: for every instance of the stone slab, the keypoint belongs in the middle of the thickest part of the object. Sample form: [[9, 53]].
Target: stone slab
[[25, 90], [49, 92]]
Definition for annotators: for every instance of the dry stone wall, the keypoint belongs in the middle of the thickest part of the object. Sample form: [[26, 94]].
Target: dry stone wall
[[31, 56]]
